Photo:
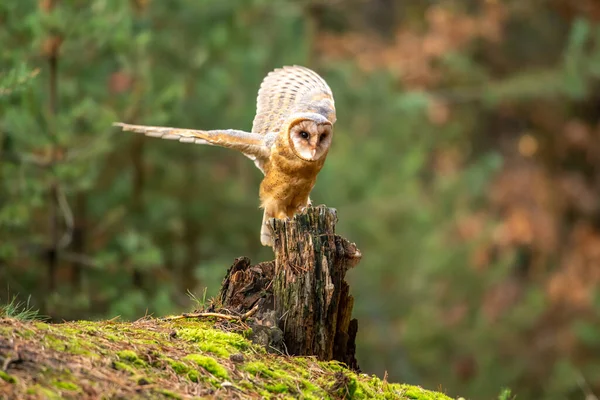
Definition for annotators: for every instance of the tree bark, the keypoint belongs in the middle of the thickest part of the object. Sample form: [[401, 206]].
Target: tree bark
[[303, 291]]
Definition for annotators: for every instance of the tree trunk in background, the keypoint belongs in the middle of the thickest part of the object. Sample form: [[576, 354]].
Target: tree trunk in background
[[303, 291], [137, 161], [78, 243]]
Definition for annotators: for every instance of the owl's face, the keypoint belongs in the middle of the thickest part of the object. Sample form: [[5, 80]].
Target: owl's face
[[311, 139]]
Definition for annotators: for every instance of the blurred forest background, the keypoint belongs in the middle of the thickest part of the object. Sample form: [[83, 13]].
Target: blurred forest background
[[465, 165]]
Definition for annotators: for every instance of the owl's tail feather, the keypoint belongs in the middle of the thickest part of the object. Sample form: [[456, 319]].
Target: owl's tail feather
[[266, 233]]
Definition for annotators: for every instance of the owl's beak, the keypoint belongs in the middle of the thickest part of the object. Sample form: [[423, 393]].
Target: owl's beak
[[313, 152]]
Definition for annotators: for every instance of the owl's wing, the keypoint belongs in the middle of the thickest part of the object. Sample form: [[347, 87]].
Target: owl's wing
[[290, 90], [255, 146]]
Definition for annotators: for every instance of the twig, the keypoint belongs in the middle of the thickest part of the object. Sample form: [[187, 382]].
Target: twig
[[239, 318], [200, 315], [6, 363], [250, 313]]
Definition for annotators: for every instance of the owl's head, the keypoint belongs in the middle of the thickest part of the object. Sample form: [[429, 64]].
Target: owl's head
[[310, 136]]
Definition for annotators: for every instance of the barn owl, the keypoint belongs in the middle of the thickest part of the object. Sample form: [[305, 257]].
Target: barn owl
[[290, 138]]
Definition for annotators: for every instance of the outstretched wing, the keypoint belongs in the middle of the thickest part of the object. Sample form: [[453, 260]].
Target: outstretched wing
[[290, 90], [255, 146]]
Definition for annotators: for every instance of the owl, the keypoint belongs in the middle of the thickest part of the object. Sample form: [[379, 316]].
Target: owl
[[290, 138]]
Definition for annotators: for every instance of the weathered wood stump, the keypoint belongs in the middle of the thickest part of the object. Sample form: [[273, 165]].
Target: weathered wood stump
[[303, 302]]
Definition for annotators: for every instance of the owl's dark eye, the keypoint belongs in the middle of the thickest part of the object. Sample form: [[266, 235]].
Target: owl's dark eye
[[323, 136], [304, 135]]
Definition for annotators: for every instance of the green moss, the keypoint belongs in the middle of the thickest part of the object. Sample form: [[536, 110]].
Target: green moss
[[63, 385], [364, 390], [7, 378], [259, 368], [131, 357], [352, 386], [169, 394], [43, 392], [68, 342], [142, 380], [121, 366], [281, 376], [308, 386], [301, 362], [26, 333], [247, 333], [55, 343], [293, 368], [309, 396], [111, 337], [262, 375], [67, 330], [41, 326], [415, 392], [193, 375], [6, 331], [277, 388], [209, 364], [214, 349], [127, 355], [246, 384], [226, 340], [179, 367], [334, 366]]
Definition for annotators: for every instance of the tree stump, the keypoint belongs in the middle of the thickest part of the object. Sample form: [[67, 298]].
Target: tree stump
[[301, 296]]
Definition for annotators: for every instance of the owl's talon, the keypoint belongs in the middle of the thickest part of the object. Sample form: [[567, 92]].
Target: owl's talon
[[302, 209]]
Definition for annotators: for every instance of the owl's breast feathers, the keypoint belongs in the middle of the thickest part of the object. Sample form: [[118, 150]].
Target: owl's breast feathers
[[288, 178]]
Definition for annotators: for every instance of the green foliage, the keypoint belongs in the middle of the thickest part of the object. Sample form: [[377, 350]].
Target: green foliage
[[22, 311], [199, 303], [505, 395], [16, 79]]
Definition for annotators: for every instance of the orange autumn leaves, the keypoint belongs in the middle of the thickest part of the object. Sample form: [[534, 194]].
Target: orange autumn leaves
[[413, 51]]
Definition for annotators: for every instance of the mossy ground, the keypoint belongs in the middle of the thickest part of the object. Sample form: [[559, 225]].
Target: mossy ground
[[168, 360]]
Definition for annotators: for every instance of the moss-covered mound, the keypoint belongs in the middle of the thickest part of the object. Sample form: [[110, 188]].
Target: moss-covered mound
[[173, 360]]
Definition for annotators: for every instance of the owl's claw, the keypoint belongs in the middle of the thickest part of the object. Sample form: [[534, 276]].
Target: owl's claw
[[302, 209]]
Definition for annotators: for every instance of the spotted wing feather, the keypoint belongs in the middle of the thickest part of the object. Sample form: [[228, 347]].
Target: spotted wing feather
[[255, 146], [289, 90]]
